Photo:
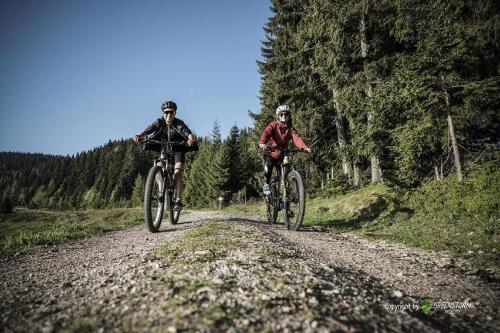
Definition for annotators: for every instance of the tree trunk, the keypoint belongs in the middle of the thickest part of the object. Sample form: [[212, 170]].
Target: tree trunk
[[451, 129], [456, 152], [356, 176], [341, 137], [346, 164], [436, 172], [376, 169]]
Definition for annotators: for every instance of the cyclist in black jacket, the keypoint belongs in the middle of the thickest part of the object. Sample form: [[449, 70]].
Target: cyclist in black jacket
[[174, 129]]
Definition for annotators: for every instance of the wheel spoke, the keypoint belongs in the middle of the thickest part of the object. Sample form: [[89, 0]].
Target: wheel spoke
[[295, 201], [153, 199]]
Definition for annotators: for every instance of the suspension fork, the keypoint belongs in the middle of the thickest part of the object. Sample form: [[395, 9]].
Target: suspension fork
[[166, 179], [283, 184]]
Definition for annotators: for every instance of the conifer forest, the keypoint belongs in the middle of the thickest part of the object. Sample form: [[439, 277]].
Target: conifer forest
[[398, 91]]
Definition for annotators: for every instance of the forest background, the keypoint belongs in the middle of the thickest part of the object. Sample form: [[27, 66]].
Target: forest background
[[399, 92]]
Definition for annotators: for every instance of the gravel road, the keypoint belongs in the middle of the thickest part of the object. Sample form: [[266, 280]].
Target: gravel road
[[274, 280]]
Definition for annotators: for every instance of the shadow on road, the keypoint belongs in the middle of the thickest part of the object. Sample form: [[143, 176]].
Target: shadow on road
[[277, 225]]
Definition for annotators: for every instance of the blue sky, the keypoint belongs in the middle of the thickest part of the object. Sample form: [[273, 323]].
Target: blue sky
[[75, 74]]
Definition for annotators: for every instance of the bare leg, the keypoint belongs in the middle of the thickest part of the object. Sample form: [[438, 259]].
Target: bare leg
[[178, 179]]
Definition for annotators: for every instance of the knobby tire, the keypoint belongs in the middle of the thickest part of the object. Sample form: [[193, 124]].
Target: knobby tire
[[272, 206], [153, 204], [295, 201], [173, 215], [170, 206]]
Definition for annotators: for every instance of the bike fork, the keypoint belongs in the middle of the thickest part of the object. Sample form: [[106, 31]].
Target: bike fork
[[164, 186], [283, 188]]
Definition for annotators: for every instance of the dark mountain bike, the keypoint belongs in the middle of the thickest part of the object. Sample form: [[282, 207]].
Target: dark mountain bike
[[287, 193], [160, 189]]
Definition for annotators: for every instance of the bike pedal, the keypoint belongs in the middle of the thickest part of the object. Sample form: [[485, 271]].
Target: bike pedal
[[177, 206]]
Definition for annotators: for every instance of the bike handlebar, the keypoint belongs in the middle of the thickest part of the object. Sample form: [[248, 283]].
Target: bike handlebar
[[165, 143], [285, 151], [170, 145]]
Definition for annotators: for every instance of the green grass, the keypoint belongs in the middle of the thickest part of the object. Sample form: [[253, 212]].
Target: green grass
[[347, 212], [200, 247], [463, 219], [80, 326], [209, 242], [206, 237], [26, 230], [333, 213], [460, 219], [251, 209]]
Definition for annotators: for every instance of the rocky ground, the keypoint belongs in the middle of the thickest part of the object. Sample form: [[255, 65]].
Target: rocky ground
[[216, 273]]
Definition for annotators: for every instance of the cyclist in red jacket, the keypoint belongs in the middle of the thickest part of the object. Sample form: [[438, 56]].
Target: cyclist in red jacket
[[277, 135]]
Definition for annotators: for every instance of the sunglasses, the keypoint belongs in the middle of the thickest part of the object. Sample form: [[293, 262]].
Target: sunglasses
[[284, 114], [168, 112]]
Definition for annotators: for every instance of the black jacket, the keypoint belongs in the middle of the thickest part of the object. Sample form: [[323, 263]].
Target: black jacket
[[178, 131]]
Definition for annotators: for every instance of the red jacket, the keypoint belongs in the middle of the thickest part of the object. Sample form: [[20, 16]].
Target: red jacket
[[278, 134]]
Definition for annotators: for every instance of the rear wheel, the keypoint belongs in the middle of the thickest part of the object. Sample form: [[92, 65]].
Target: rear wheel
[[295, 201], [173, 214], [154, 198]]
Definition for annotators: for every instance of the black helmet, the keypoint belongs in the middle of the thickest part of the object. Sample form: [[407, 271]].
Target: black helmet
[[168, 105]]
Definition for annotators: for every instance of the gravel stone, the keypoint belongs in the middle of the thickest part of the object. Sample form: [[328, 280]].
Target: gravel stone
[[275, 280]]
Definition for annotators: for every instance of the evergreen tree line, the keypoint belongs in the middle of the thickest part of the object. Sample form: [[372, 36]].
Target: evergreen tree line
[[227, 169], [395, 90], [113, 175], [103, 177], [399, 90]]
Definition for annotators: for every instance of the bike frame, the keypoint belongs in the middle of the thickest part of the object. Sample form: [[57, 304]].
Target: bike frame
[[167, 170], [163, 167], [280, 199], [284, 167]]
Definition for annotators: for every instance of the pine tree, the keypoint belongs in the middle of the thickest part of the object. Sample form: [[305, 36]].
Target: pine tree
[[197, 190], [235, 168], [138, 194], [6, 205], [216, 136], [219, 173], [40, 199], [250, 162]]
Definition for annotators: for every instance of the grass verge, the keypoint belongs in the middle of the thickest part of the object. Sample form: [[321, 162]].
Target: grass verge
[[26, 230], [205, 243], [460, 219]]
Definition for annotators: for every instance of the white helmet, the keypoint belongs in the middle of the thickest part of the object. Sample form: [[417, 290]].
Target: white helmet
[[283, 108]]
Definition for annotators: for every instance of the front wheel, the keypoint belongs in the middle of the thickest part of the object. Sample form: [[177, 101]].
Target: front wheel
[[295, 201], [272, 205], [154, 198]]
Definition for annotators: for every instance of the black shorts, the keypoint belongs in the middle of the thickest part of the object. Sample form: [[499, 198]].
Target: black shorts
[[270, 163], [180, 157]]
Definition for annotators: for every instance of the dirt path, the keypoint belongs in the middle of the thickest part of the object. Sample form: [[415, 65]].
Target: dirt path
[[414, 275], [51, 286], [268, 279]]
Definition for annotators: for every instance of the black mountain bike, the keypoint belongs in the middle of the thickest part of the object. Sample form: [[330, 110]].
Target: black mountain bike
[[160, 190], [287, 193]]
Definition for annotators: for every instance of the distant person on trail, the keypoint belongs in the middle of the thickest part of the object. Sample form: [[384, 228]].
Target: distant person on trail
[[277, 135], [171, 128]]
